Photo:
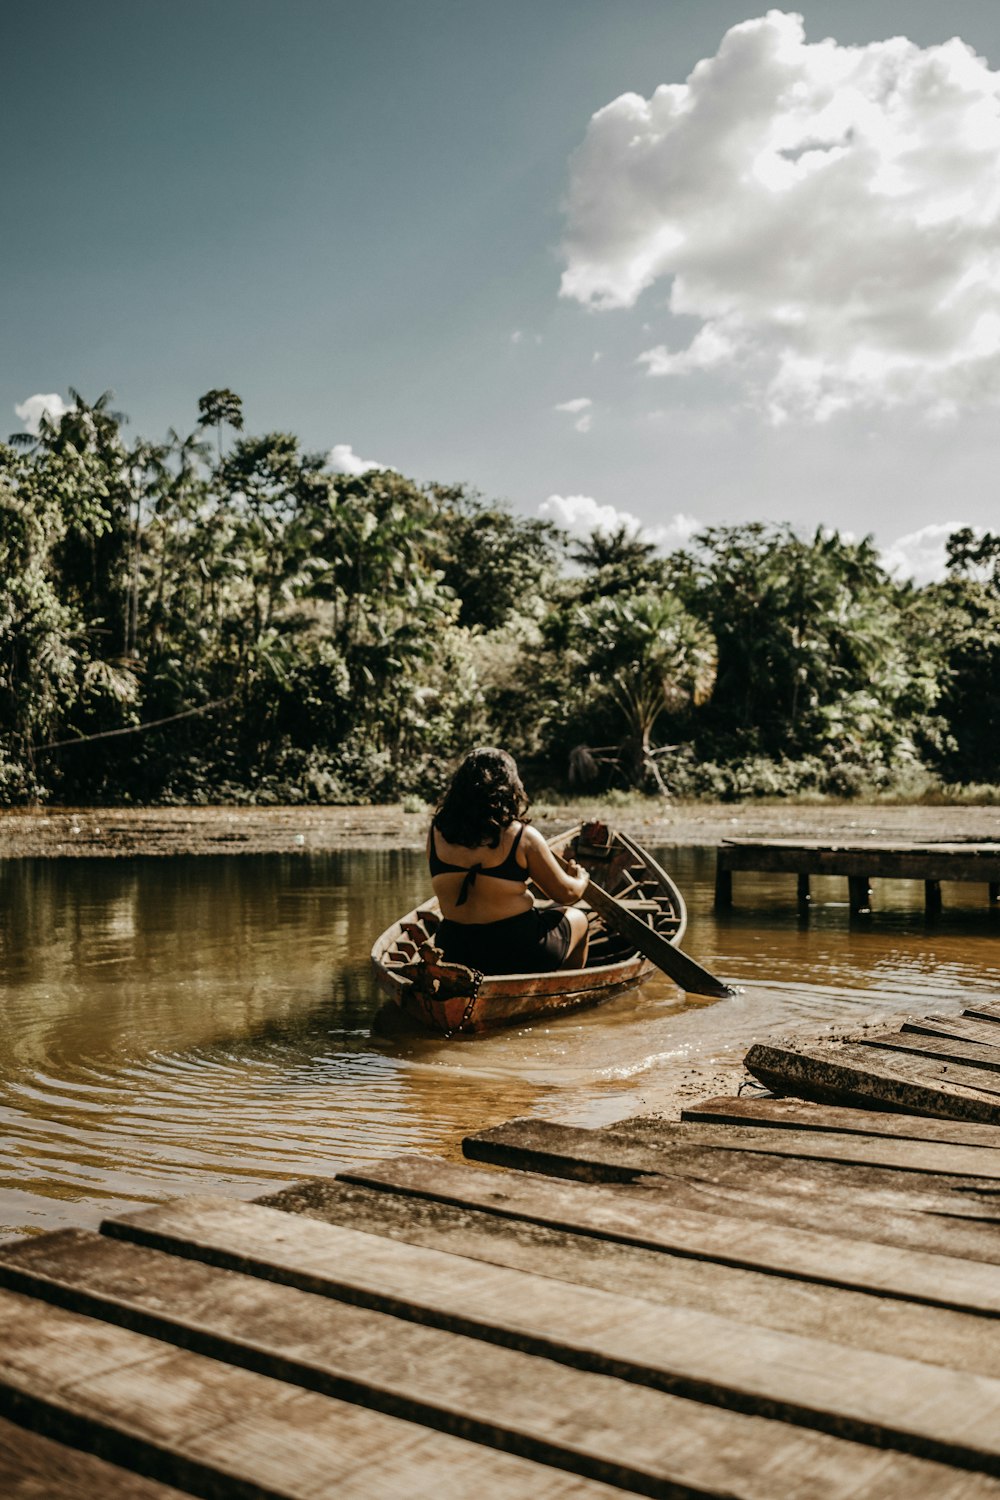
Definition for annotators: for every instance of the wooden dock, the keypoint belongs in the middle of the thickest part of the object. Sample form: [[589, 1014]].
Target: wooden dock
[[947, 1067], [769, 1298], [860, 863]]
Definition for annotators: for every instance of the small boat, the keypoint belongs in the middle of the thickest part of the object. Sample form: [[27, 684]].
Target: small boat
[[448, 998]]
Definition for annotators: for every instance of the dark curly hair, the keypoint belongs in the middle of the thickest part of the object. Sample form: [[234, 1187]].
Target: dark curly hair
[[484, 798]]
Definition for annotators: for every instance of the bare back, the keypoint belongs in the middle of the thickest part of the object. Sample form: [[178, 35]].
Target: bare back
[[487, 898]]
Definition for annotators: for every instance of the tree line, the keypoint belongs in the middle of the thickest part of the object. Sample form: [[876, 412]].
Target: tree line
[[199, 621]]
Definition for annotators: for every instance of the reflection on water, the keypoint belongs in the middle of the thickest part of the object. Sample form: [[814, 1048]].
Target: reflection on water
[[179, 1025]]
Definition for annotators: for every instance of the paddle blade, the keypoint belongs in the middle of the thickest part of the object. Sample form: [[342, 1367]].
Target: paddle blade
[[691, 977]]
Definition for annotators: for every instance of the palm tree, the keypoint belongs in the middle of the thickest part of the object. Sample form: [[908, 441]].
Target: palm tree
[[220, 406], [649, 656], [621, 548], [88, 429]]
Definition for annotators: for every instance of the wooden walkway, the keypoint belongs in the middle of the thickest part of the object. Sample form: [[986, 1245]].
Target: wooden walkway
[[768, 1299], [944, 1066], [860, 863]]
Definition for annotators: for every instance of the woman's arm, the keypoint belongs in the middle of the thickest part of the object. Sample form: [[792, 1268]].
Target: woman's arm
[[562, 881]]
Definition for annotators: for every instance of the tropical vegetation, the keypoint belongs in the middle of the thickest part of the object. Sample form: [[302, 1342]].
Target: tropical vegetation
[[226, 619]]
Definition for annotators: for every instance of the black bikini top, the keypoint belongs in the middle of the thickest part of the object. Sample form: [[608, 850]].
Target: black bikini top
[[507, 869]]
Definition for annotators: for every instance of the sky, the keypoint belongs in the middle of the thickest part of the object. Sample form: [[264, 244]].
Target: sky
[[674, 262]]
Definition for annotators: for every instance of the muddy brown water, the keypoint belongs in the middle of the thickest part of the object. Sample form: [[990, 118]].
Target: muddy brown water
[[206, 1025]]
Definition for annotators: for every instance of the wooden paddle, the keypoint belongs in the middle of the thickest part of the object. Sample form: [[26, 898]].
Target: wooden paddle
[[682, 970]]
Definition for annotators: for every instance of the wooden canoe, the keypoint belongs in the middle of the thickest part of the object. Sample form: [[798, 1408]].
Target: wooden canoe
[[449, 998]]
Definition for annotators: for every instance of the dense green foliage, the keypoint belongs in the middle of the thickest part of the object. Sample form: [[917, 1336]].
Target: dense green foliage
[[226, 619]]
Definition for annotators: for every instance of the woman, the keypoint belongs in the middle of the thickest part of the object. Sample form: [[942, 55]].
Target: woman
[[482, 853]]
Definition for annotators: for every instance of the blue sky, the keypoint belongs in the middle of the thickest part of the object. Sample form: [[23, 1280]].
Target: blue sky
[[359, 216]]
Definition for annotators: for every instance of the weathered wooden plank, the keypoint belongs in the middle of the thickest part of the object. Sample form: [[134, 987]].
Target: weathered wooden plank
[[979, 1162], [605, 1156], [967, 1079], [985, 1010], [742, 1204], [635, 1219], [845, 1074], [214, 1429], [947, 1049], [637, 1437], [989, 847], [948, 1415], [963, 1027], [803, 1114], [747, 1271], [33, 1467], [892, 862], [811, 1308]]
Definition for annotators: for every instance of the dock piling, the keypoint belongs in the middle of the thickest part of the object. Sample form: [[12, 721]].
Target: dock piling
[[723, 884]]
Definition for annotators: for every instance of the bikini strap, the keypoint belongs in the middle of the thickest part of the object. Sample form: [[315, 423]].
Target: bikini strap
[[468, 883]]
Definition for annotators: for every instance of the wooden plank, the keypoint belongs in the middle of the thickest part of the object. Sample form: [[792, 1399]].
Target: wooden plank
[[857, 1318], [984, 1010], [213, 1429], [947, 1049], [989, 848], [604, 1156], [802, 1114], [592, 1236], [899, 862], [840, 1073], [966, 1028], [636, 1437], [769, 1249], [614, 1211], [979, 1162], [33, 1467], [952, 1416]]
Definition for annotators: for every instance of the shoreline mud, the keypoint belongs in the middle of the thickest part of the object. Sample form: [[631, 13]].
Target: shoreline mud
[[116, 832]]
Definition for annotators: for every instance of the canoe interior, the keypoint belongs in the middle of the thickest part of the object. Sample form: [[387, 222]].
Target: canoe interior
[[445, 997]]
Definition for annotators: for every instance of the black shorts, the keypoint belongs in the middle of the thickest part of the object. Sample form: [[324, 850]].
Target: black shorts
[[532, 942]]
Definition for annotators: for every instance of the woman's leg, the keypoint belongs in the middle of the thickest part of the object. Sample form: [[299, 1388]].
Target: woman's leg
[[580, 928]]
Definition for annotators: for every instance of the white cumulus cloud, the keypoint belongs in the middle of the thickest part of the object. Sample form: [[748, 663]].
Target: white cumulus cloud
[[921, 555], [830, 214], [343, 460], [582, 515], [31, 411], [580, 408]]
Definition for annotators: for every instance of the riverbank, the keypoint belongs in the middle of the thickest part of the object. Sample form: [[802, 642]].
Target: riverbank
[[27, 833]]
